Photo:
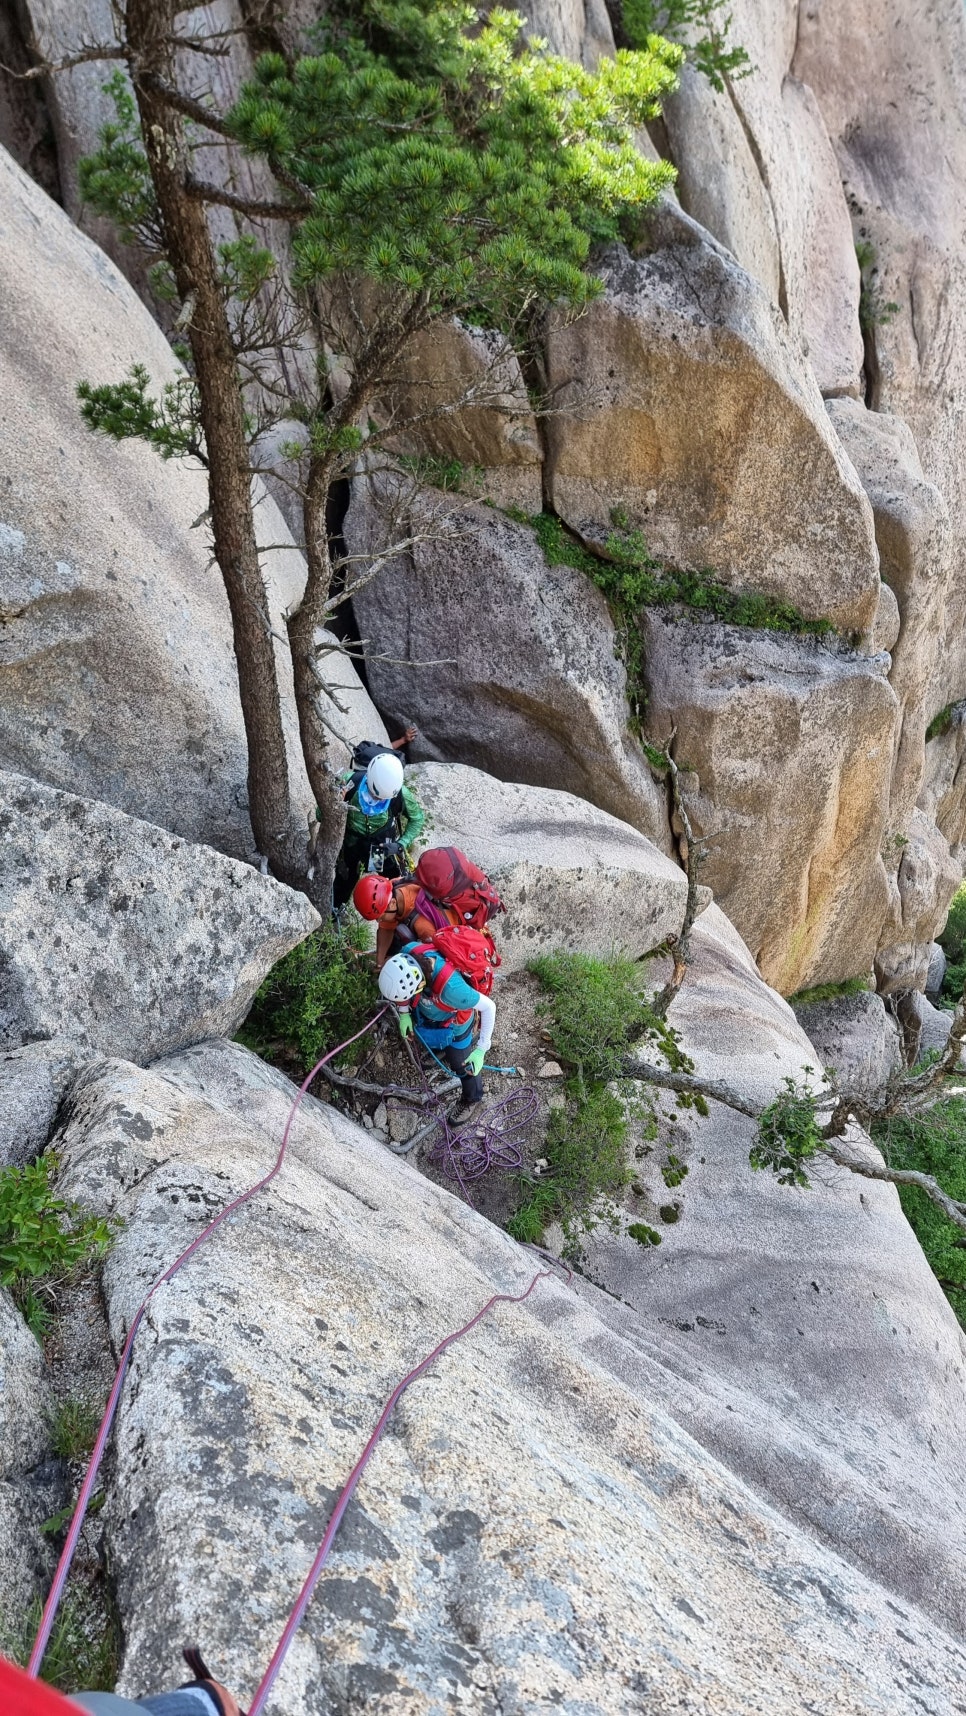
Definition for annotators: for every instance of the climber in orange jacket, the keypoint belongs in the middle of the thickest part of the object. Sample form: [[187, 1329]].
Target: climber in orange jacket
[[404, 911]]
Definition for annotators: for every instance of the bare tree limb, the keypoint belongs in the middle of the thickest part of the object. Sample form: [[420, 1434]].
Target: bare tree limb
[[680, 945], [952, 1209], [206, 193], [83, 57]]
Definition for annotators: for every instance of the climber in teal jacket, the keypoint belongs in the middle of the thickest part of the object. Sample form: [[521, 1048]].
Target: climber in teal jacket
[[444, 1020]]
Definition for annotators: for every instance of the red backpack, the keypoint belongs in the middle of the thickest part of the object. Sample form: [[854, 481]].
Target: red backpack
[[448, 876], [471, 952]]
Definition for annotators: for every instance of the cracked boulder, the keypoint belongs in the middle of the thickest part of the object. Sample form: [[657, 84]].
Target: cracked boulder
[[902, 162], [570, 875], [685, 409], [115, 935], [534, 1530], [521, 678], [856, 1038], [792, 742]]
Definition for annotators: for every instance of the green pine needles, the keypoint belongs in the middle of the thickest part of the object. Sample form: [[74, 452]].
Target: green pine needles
[[701, 26], [454, 161]]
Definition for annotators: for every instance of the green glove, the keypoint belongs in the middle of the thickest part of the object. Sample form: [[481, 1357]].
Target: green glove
[[405, 1021], [474, 1060]]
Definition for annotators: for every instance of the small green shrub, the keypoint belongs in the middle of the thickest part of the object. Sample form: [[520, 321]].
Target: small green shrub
[[874, 309], [595, 1012], [788, 1135], [934, 1142], [42, 1236], [828, 991], [943, 723], [319, 994], [644, 1235], [953, 943], [84, 1650], [73, 1427]]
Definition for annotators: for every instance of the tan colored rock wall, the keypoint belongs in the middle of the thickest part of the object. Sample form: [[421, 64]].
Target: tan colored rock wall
[[685, 404]]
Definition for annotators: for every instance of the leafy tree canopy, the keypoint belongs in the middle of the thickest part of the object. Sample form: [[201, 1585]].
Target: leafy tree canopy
[[453, 160]]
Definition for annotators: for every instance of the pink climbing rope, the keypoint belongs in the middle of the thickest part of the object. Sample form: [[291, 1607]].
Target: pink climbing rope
[[338, 1512], [80, 1509], [312, 1577]]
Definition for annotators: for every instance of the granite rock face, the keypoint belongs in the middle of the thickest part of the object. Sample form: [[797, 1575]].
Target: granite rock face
[[857, 1038], [811, 1346], [33, 1082], [665, 1580], [524, 680], [792, 744], [683, 404], [570, 876], [117, 935], [117, 673], [25, 1404]]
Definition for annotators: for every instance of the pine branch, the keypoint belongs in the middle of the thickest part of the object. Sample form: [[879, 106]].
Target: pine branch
[[205, 193]]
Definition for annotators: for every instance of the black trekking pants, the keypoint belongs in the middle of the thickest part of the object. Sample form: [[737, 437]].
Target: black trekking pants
[[455, 1057], [354, 859]]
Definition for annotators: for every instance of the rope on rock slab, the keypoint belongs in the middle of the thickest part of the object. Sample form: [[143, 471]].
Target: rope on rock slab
[[97, 1455], [470, 1152], [338, 1512]]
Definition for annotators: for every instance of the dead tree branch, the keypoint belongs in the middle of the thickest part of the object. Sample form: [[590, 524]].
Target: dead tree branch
[[680, 945]]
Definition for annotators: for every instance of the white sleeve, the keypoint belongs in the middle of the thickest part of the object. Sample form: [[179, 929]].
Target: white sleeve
[[487, 1011]]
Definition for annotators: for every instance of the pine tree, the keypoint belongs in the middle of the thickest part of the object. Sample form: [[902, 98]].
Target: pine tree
[[430, 164]]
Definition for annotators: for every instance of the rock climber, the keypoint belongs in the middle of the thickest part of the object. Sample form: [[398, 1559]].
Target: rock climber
[[23, 1696], [385, 818], [403, 909], [431, 997]]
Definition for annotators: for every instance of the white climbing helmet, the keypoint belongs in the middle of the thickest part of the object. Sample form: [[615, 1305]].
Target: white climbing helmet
[[400, 978], [384, 776]]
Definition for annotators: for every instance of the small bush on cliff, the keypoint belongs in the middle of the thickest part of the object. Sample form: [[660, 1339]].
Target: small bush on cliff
[[935, 1143], [953, 943], [43, 1238], [701, 26], [315, 997], [595, 1012]]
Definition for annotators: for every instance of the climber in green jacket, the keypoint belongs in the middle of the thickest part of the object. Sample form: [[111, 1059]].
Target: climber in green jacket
[[384, 817]]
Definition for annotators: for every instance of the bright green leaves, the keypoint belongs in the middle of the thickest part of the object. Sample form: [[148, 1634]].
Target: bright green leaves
[[453, 163], [42, 1236], [703, 26], [789, 1134], [125, 411]]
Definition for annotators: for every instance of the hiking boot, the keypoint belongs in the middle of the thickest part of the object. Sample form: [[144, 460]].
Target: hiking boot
[[465, 1112]]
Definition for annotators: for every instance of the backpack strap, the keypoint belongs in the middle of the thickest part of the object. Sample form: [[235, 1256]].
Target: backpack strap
[[439, 978]]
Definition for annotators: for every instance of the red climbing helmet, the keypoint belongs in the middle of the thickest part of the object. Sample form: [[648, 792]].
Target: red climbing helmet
[[372, 895]]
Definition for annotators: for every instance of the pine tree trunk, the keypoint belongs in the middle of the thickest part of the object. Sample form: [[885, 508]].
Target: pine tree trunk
[[309, 619], [275, 821]]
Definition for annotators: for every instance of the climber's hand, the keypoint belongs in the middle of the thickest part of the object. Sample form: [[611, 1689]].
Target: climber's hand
[[405, 1023], [474, 1060]]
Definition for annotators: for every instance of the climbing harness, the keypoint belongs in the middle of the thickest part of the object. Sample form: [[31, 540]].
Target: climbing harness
[[460, 1156]]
